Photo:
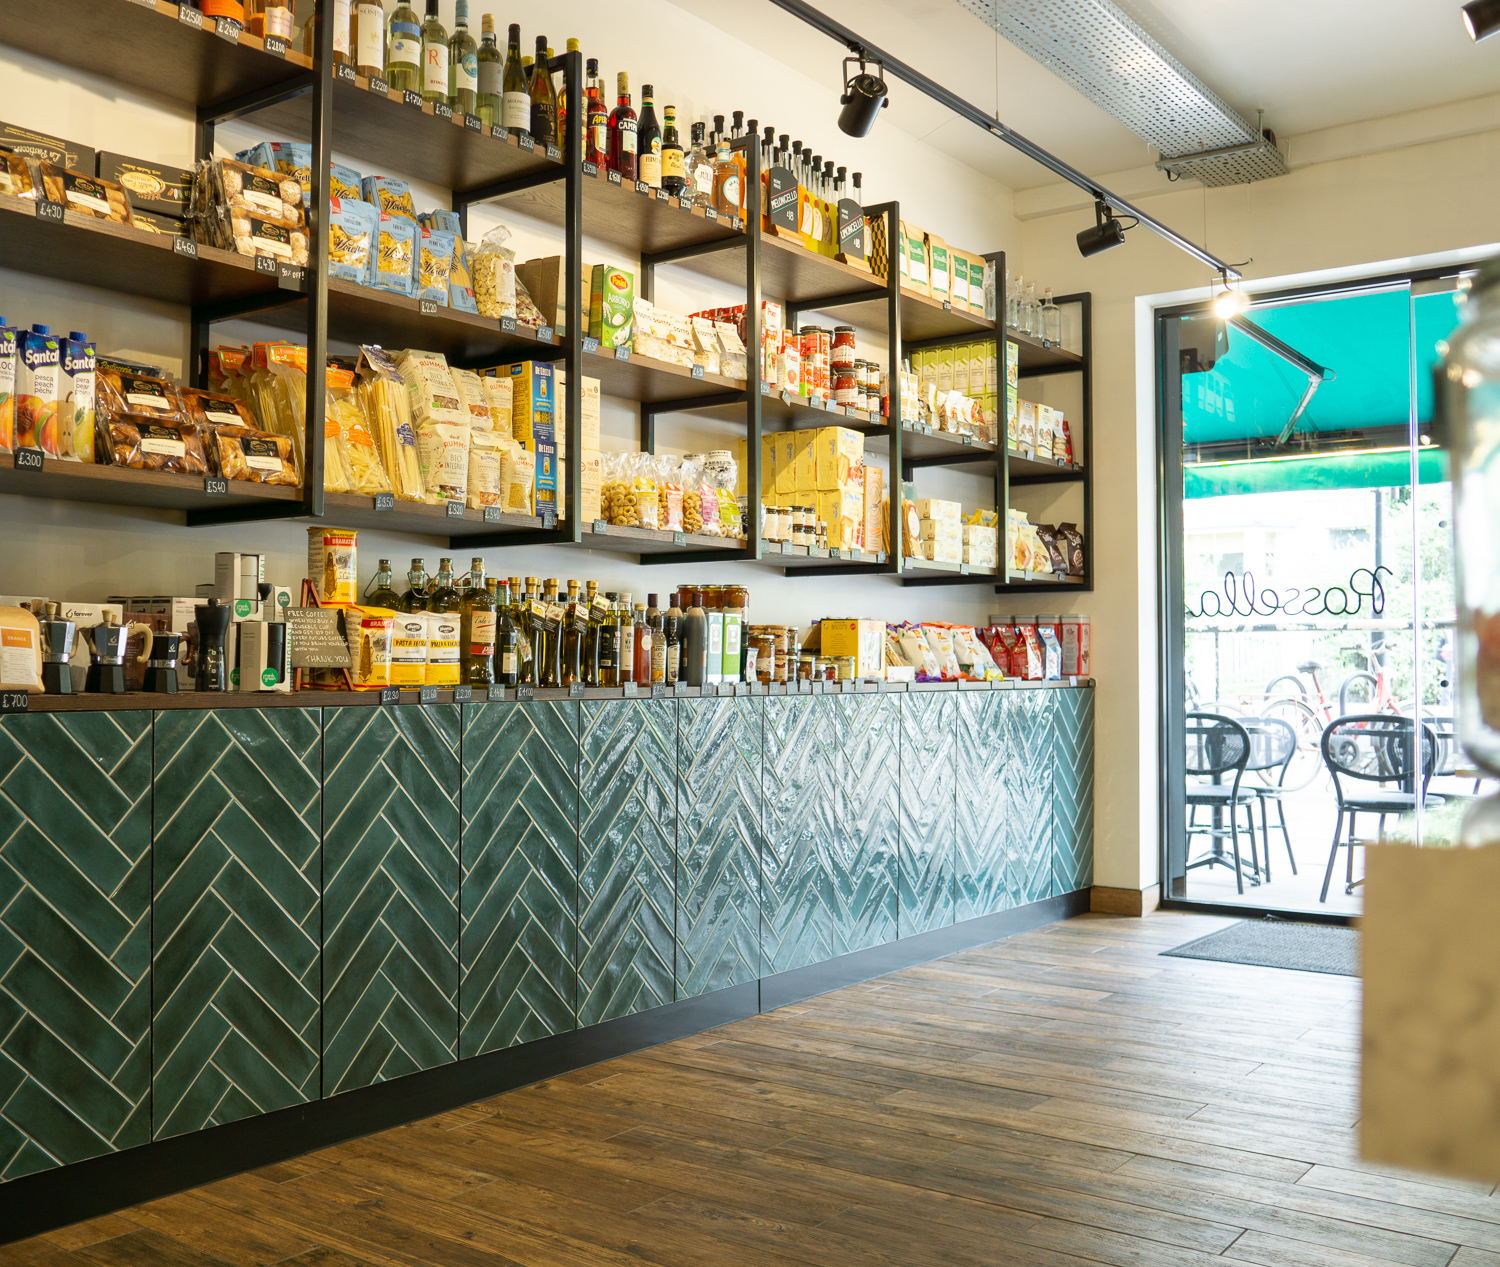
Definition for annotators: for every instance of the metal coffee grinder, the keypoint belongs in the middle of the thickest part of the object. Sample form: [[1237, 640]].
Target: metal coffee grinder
[[57, 650]]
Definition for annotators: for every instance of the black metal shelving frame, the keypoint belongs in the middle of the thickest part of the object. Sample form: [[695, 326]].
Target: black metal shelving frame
[[224, 74]]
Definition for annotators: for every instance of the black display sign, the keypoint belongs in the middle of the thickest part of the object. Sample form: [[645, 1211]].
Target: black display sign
[[390, 695], [455, 510], [575, 690], [463, 694], [29, 460], [493, 514], [427, 307], [544, 334], [276, 46], [215, 486], [15, 701], [189, 16], [227, 29], [266, 264], [184, 246], [379, 85], [590, 345], [525, 694], [851, 228], [412, 99], [783, 187], [385, 501], [629, 690], [526, 143], [290, 277], [344, 73], [442, 110], [427, 695], [473, 122], [46, 209], [314, 639]]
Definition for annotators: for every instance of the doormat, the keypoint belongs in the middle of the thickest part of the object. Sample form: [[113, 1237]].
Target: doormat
[[1277, 943]]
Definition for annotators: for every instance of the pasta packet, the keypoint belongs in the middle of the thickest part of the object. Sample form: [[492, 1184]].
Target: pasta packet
[[518, 479], [353, 226], [476, 400], [395, 251], [434, 264], [460, 280], [493, 269], [366, 473], [430, 389], [486, 459], [389, 414], [390, 196], [443, 454], [499, 394]]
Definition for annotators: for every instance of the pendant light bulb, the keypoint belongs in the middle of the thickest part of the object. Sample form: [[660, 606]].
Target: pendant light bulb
[[1481, 18], [1228, 303]]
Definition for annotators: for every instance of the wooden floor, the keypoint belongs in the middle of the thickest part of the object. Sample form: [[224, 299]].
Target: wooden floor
[[1065, 1097]]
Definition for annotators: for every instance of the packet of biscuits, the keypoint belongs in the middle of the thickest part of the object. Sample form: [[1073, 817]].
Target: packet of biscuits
[[259, 190], [87, 195], [279, 237], [143, 443], [216, 409], [259, 457], [16, 180]]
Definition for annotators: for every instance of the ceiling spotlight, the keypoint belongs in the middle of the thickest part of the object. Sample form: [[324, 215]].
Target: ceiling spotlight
[[1228, 303], [1107, 232], [864, 97], [1481, 18]]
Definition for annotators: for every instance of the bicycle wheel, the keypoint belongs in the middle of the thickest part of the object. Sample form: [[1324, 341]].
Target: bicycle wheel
[[1307, 761], [1362, 699], [1295, 683]]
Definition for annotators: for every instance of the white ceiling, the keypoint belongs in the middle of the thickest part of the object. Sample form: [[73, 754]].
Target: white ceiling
[[1309, 63]]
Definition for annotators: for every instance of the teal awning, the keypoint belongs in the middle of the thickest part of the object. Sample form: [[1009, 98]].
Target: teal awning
[[1382, 468]]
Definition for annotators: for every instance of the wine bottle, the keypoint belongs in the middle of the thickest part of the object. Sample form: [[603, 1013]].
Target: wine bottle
[[507, 641], [463, 63], [622, 139], [562, 97], [434, 57], [368, 38], [648, 141], [490, 67], [543, 100], [404, 50], [515, 100]]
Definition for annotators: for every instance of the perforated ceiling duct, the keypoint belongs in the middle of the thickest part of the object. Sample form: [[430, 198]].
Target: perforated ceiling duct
[[1105, 55]]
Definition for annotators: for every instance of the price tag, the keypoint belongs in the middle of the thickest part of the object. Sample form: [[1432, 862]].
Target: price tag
[[663, 196], [15, 701], [492, 514], [412, 99], [544, 334], [835, 553], [724, 688], [473, 122], [344, 73], [880, 685], [658, 690], [641, 187], [48, 210], [614, 178], [575, 690], [385, 501], [455, 510], [963, 569], [816, 552], [601, 527], [494, 694], [525, 694], [215, 486], [629, 690], [266, 264], [526, 142], [390, 695], [379, 86], [847, 686], [290, 277], [28, 460], [622, 354], [184, 246], [679, 538], [442, 110], [968, 439], [463, 694], [189, 16], [427, 695], [711, 214], [427, 308], [679, 688], [497, 133], [947, 307], [591, 346], [507, 325], [554, 153], [275, 45], [590, 169], [549, 519], [227, 29], [697, 372]]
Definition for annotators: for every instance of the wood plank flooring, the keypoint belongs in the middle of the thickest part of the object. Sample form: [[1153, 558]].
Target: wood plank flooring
[[1063, 1098]]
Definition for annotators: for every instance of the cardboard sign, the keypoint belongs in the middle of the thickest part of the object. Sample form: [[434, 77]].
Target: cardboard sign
[[314, 639]]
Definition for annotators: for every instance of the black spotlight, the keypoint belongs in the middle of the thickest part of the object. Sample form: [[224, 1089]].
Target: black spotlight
[[1107, 232], [864, 96], [1482, 18]]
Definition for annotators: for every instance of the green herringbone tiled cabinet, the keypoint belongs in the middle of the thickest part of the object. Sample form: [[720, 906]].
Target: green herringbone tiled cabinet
[[520, 873], [75, 893], [390, 892], [237, 807]]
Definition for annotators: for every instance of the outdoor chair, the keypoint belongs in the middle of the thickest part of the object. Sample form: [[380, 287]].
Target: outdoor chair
[[1273, 744], [1219, 747]]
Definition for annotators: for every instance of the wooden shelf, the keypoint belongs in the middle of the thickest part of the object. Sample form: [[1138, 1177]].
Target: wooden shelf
[[624, 540], [125, 486], [146, 47], [803, 559], [1025, 469], [1039, 582], [649, 381], [1035, 358], [945, 573]]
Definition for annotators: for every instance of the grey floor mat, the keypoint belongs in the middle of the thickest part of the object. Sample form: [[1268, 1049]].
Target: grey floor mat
[[1279, 943]]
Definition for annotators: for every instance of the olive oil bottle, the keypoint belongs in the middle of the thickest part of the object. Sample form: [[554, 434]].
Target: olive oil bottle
[[415, 598], [551, 674], [591, 639], [383, 595], [609, 641], [476, 630], [444, 596], [572, 661], [625, 656], [535, 632], [507, 641]]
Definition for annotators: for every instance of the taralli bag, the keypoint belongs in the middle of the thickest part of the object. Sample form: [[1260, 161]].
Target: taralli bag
[[690, 477], [493, 271], [645, 483], [669, 495], [618, 499]]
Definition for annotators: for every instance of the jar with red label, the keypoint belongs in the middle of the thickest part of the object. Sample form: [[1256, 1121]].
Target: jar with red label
[[816, 352], [846, 389], [842, 355]]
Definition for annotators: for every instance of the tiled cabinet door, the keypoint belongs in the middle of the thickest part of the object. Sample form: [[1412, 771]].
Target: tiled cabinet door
[[1072, 790], [1026, 782], [520, 874], [627, 790], [75, 894], [718, 843], [237, 806], [800, 778], [928, 825], [983, 882], [390, 892], [869, 807]]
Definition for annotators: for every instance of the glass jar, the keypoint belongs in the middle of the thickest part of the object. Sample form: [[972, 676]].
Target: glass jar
[[816, 353], [720, 465], [843, 667], [807, 666], [841, 356], [711, 597], [846, 389], [764, 646], [820, 535]]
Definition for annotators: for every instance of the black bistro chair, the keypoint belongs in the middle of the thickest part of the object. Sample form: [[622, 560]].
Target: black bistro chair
[[1273, 744], [1364, 753], [1218, 748]]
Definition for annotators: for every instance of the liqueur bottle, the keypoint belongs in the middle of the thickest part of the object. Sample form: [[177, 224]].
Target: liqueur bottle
[[490, 68], [507, 641], [415, 598], [673, 162], [622, 138], [463, 64], [562, 97], [726, 196], [648, 141], [476, 630], [515, 104], [403, 57], [543, 99], [596, 119], [434, 57], [383, 595]]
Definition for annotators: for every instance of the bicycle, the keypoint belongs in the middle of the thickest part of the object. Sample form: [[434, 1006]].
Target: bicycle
[[1309, 719]]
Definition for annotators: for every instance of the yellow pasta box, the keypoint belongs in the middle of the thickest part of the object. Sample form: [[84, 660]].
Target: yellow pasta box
[[838, 455], [864, 640]]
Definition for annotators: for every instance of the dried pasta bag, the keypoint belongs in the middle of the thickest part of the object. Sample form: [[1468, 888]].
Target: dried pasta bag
[[16, 179], [366, 472], [486, 458], [499, 393], [258, 457], [277, 236], [343, 182], [493, 269], [216, 409], [352, 229], [259, 190], [443, 452], [87, 195], [476, 401], [518, 479], [434, 265], [395, 251], [430, 389], [145, 444], [390, 196], [293, 158], [389, 415], [460, 280]]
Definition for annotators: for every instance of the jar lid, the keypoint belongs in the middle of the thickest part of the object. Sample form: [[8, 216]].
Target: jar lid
[[843, 329]]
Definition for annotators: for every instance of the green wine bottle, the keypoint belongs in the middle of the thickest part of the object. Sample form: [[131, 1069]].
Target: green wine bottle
[[403, 59], [434, 57], [543, 98], [489, 67], [476, 638], [463, 64], [515, 100]]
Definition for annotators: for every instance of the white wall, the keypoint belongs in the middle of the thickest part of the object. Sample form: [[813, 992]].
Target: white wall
[[1375, 213], [79, 552]]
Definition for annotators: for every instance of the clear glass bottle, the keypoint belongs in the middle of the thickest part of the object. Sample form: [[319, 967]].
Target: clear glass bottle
[[403, 56], [463, 64], [515, 95], [417, 588], [1033, 312], [1051, 321], [1013, 287], [383, 595], [434, 57], [476, 629], [367, 38], [507, 640], [490, 68], [593, 638], [519, 618], [700, 171]]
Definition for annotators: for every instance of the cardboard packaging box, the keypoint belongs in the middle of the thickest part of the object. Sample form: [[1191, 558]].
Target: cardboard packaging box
[[715, 673], [154, 222], [944, 366], [238, 576], [961, 382], [1044, 423], [593, 485], [442, 649], [589, 419], [84, 615], [546, 282], [611, 306], [533, 400], [787, 444], [862, 639], [942, 531], [154, 187], [49, 149], [1025, 425], [838, 459], [937, 263], [919, 267], [254, 669], [931, 508], [844, 513], [874, 505]]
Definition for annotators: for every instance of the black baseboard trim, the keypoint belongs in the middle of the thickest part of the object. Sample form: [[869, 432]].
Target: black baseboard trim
[[55, 1198]]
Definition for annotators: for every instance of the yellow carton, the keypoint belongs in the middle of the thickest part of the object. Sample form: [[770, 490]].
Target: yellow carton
[[944, 370], [874, 510], [1044, 431], [1025, 425], [961, 369], [862, 639], [786, 463], [978, 384], [802, 458], [844, 513], [838, 459], [368, 630]]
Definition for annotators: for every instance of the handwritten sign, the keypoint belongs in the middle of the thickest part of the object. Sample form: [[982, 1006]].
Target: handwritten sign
[[314, 640]]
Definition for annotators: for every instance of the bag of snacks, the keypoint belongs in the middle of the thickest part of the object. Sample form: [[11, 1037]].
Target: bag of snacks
[[1026, 657], [120, 391], [726, 501], [395, 252], [149, 445], [518, 479], [16, 180], [493, 268], [486, 457], [618, 500], [1057, 560], [86, 195], [390, 196], [669, 495], [644, 482], [940, 642], [690, 477], [918, 653], [259, 457], [974, 659], [216, 409], [434, 261], [352, 229], [259, 190], [276, 236], [1073, 549], [389, 414], [527, 313]]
